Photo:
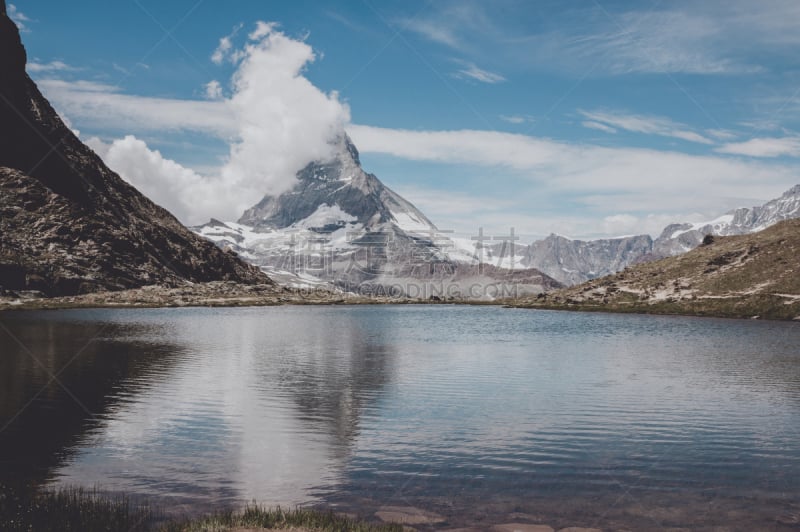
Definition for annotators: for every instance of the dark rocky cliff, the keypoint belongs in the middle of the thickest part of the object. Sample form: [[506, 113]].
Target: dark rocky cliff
[[70, 225]]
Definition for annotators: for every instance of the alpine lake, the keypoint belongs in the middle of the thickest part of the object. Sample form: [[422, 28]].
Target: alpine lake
[[477, 415]]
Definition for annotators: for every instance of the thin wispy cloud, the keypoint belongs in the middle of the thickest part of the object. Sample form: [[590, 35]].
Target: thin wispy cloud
[[52, 66], [721, 134], [475, 73], [663, 41], [224, 50], [349, 23], [121, 69], [598, 126], [432, 31], [677, 37], [103, 106], [19, 18], [764, 147], [603, 178], [517, 119], [650, 125]]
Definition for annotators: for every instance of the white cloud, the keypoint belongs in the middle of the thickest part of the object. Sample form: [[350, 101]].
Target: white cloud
[[651, 125], [651, 224], [213, 90], [603, 180], [219, 54], [52, 66], [263, 29], [121, 69], [276, 122], [180, 190], [472, 71], [97, 105], [591, 124], [283, 121], [668, 37], [68, 123], [668, 40], [513, 119], [432, 31], [224, 49], [465, 214], [18, 17], [721, 134], [764, 147]]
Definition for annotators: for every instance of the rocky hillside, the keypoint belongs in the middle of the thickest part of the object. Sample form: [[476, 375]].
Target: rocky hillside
[[70, 225], [679, 238], [575, 261], [749, 275]]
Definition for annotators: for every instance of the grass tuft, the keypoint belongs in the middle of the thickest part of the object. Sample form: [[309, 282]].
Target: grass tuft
[[255, 516], [73, 509], [79, 510]]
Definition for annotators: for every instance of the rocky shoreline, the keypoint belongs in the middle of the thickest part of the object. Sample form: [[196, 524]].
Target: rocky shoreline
[[211, 294]]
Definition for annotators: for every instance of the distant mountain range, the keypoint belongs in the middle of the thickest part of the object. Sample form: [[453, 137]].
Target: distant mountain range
[[70, 225], [679, 238], [573, 262], [747, 275], [341, 227]]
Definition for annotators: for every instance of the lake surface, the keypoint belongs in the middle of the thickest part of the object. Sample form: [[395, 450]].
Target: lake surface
[[481, 414]]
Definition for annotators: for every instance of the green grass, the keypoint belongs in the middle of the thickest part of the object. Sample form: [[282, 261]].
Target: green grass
[[75, 509], [71, 510], [259, 517]]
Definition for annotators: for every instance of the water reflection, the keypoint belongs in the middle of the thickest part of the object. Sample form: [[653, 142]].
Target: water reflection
[[219, 407], [59, 380], [476, 413]]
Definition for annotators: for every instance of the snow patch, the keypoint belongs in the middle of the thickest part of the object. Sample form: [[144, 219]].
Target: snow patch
[[325, 215], [410, 223], [718, 224]]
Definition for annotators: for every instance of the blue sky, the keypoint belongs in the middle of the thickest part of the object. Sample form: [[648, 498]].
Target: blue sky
[[587, 118]]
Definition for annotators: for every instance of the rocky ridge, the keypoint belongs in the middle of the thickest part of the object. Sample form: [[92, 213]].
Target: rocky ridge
[[576, 261], [751, 275], [70, 225]]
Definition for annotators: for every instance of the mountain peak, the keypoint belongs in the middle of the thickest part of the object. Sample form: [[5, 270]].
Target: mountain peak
[[351, 149], [12, 53], [794, 191], [343, 189]]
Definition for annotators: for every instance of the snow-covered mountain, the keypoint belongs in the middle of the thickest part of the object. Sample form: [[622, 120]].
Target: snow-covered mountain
[[576, 261], [341, 227], [680, 238], [335, 193]]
